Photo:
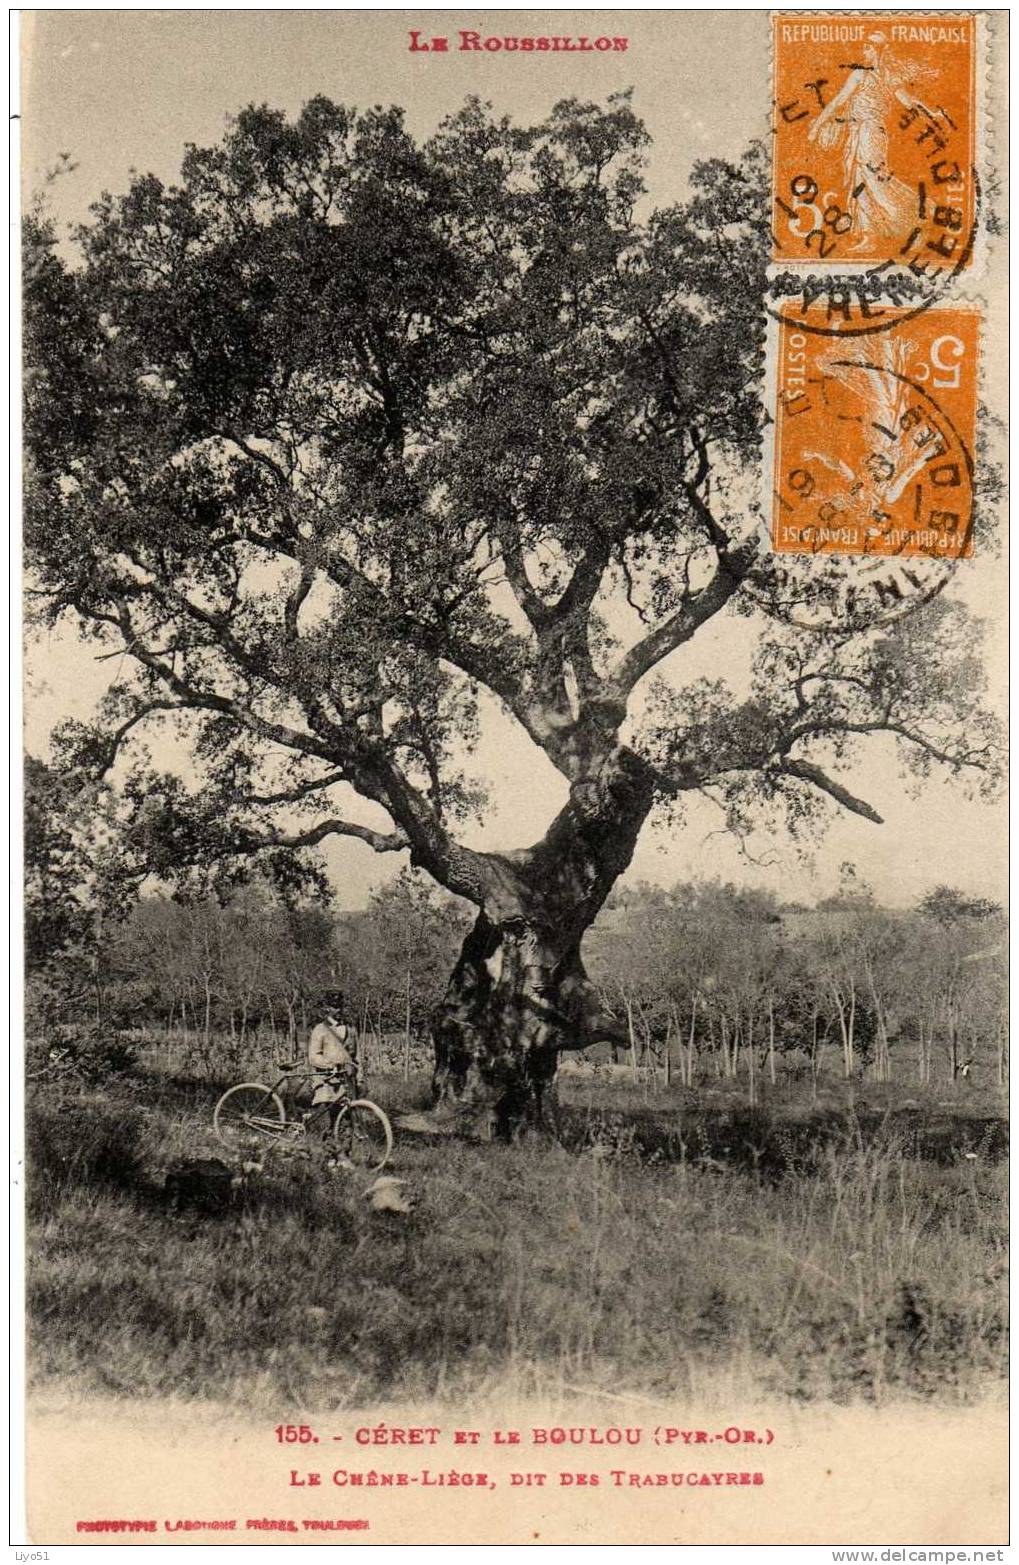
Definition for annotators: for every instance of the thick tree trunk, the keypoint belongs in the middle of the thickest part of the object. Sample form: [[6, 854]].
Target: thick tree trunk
[[519, 994], [514, 1002]]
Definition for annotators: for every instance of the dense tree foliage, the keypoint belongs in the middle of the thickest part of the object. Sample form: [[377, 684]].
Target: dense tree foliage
[[80, 884]]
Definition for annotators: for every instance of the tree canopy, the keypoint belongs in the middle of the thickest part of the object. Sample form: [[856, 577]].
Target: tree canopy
[[342, 428]]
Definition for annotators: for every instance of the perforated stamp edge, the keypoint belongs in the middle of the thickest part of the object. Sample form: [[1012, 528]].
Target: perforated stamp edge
[[990, 77]]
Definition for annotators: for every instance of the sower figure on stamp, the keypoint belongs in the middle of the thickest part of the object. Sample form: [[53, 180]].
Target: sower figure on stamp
[[857, 120], [334, 1060]]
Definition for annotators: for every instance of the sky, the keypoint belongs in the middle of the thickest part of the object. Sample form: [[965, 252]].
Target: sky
[[127, 90]]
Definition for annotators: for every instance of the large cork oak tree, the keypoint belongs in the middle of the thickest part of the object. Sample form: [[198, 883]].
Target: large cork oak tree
[[342, 431]]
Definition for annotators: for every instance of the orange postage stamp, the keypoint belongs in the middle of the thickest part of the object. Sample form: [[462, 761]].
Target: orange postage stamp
[[873, 437], [875, 141]]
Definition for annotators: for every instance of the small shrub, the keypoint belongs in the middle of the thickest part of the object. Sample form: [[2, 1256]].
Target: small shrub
[[89, 1053], [74, 1146]]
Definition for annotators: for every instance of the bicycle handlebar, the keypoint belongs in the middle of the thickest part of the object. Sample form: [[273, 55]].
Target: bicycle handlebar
[[334, 1070]]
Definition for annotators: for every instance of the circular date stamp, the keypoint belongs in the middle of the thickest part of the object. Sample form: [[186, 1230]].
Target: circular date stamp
[[871, 477], [875, 195]]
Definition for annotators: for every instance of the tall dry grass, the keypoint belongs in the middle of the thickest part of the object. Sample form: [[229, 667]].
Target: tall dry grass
[[870, 1274]]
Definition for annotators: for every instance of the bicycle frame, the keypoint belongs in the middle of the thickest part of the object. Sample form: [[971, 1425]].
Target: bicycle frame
[[304, 1073]]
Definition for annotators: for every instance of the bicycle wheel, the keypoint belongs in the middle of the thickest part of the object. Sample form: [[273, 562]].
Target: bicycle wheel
[[364, 1134], [246, 1114]]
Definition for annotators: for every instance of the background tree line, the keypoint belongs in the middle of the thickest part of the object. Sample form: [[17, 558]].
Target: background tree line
[[716, 981], [713, 981], [219, 967]]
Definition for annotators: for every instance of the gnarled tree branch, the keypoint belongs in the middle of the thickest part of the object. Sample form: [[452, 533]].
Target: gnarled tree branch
[[681, 626]]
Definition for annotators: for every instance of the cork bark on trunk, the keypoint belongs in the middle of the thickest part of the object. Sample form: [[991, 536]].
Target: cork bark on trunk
[[519, 995]]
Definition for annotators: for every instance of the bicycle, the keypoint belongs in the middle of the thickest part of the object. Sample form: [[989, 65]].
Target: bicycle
[[251, 1113]]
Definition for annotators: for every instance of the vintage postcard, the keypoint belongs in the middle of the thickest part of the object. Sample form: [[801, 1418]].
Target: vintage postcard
[[514, 1031]]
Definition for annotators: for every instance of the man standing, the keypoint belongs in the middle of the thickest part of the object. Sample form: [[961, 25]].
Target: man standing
[[333, 1057]]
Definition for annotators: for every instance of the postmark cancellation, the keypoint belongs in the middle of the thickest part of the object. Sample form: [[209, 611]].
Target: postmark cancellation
[[875, 121]]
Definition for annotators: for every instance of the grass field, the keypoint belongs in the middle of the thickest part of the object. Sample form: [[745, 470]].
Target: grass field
[[849, 1252]]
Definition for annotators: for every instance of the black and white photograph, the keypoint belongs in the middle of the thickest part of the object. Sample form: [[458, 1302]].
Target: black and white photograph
[[515, 1034]]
